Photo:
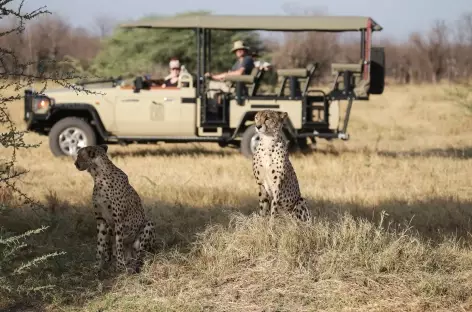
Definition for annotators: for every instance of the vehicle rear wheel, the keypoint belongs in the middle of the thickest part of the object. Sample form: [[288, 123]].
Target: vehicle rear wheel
[[70, 134], [302, 145]]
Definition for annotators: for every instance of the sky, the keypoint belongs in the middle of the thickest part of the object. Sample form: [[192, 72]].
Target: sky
[[398, 17]]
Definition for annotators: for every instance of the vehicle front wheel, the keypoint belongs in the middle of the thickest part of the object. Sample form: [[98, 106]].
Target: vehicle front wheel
[[70, 134]]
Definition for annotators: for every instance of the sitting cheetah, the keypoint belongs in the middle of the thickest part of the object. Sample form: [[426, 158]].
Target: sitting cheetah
[[278, 184], [120, 217]]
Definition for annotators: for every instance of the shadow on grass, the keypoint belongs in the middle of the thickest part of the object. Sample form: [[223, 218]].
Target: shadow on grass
[[183, 150], [432, 218], [196, 151], [72, 229], [190, 150], [451, 152]]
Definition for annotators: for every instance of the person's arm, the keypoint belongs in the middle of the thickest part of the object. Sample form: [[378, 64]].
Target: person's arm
[[218, 76], [247, 62], [214, 76], [236, 72], [229, 73]]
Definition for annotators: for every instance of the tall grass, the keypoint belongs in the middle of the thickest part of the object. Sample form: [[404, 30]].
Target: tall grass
[[392, 225]]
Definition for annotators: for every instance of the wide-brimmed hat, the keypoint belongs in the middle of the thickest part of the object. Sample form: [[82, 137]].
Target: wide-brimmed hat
[[238, 45]]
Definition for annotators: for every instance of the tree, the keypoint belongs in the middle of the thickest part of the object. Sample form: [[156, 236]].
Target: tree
[[303, 48], [434, 49], [15, 75], [132, 51], [104, 25], [462, 52]]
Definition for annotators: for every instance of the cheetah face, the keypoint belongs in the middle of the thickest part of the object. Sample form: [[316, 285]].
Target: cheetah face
[[269, 122], [88, 156]]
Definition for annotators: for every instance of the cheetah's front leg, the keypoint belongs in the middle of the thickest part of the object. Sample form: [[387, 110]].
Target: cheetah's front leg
[[275, 186], [111, 236], [120, 255], [264, 201], [274, 208], [103, 242]]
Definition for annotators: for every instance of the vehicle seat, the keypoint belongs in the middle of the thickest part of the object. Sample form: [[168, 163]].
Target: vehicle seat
[[250, 83], [361, 86], [294, 75]]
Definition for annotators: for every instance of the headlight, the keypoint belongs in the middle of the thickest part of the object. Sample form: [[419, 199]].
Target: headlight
[[41, 103]]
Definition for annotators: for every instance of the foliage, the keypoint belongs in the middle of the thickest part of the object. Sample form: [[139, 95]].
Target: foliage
[[132, 51], [15, 75], [11, 248]]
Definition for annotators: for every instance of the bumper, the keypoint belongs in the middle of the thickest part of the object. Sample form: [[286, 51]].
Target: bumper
[[36, 122]]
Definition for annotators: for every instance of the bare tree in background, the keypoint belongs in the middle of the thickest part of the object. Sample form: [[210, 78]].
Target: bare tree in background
[[15, 75], [104, 25], [462, 52], [300, 49], [461, 55], [48, 38], [434, 49]]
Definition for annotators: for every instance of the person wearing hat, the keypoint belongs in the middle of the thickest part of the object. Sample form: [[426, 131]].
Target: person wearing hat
[[243, 66], [173, 78]]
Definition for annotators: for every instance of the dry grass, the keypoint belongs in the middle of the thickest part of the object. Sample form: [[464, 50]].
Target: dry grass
[[410, 155]]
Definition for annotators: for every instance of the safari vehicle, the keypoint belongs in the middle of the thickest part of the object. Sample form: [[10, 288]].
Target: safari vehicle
[[141, 113]]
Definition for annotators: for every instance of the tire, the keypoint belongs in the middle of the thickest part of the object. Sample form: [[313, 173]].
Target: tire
[[250, 133], [82, 135], [298, 145], [302, 145], [377, 70], [246, 139]]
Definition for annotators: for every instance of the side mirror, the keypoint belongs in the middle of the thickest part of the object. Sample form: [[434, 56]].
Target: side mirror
[[138, 84]]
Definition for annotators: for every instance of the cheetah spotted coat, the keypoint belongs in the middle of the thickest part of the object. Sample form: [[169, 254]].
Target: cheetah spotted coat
[[122, 229], [273, 171]]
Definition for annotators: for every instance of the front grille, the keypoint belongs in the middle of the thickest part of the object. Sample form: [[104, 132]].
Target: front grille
[[28, 104]]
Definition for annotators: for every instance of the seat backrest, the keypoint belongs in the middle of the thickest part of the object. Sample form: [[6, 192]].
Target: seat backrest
[[250, 83], [258, 75]]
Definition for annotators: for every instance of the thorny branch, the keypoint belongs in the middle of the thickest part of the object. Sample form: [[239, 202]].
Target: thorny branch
[[14, 75]]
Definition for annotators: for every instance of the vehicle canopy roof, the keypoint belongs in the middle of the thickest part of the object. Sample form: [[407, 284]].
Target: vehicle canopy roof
[[262, 22]]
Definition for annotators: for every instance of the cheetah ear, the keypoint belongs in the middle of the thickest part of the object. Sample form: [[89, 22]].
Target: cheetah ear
[[104, 146], [283, 115]]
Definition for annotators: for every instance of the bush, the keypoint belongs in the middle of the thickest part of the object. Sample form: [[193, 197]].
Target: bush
[[12, 264]]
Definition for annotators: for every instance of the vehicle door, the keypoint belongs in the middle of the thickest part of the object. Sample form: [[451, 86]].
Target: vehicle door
[[133, 113], [171, 115]]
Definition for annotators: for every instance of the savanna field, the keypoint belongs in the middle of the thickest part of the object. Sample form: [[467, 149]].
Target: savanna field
[[392, 207]]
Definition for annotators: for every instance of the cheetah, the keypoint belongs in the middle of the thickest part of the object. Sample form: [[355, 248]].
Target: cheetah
[[278, 183], [122, 228]]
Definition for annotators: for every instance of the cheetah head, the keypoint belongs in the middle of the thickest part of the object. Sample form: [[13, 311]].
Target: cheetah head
[[90, 155], [269, 122]]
